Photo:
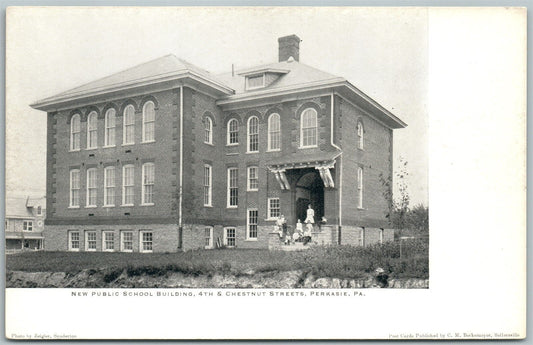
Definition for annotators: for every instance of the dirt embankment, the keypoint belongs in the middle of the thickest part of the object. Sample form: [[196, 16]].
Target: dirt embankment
[[102, 279]]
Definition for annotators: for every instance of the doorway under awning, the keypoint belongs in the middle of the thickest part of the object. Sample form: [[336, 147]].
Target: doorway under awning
[[323, 162]]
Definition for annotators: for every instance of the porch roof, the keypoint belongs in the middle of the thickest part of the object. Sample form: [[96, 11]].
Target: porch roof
[[19, 235], [299, 160]]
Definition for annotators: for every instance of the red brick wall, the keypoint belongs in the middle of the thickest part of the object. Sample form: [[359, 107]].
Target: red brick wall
[[375, 158], [60, 161]]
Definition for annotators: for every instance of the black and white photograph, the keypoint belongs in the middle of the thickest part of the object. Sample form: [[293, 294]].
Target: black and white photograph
[[196, 156]]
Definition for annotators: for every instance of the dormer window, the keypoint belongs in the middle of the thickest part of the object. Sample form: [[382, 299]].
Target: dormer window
[[255, 81]]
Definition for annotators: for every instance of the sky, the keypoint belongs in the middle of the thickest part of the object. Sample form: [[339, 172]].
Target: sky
[[382, 51]]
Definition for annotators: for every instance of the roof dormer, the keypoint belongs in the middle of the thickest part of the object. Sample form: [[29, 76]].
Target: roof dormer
[[260, 78]]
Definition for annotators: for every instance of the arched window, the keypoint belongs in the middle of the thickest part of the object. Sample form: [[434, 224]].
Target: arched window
[[208, 131], [274, 132], [360, 135], [233, 132], [109, 137], [148, 122], [308, 128], [92, 130], [253, 134], [129, 125], [75, 133]]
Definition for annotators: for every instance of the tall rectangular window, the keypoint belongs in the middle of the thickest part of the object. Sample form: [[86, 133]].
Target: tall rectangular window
[[149, 121], [233, 187], [108, 241], [109, 186], [208, 131], [252, 224], [207, 185], [146, 244], [91, 187], [126, 241], [148, 177], [208, 237], [274, 210], [92, 130], [253, 183], [129, 125], [128, 185], [229, 237], [362, 237], [109, 137], [90, 240], [360, 187], [74, 241], [74, 188]]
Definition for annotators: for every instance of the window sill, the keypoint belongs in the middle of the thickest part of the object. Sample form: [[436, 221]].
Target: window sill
[[210, 144], [127, 205], [77, 150], [73, 250], [235, 144], [148, 142], [276, 150], [108, 206], [109, 250], [149, 204], [361, 208], [232, 207], [208, 247], [108, 146], [91, 148], [251, 240], [252, 190], [127, 251], [308, 147], [90, 206], [73, 207], [146, 251], [128, 144], [251, 152], [90, 250], [271, 219], [27, 230], [208, 205]]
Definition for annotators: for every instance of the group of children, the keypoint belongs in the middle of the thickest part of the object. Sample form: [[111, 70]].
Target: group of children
[[299, 235]]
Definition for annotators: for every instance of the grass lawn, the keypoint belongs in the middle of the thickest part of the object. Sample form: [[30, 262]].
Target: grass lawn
[[334, 261]]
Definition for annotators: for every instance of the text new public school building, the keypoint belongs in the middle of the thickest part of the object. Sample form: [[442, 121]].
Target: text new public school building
[[165, 156]]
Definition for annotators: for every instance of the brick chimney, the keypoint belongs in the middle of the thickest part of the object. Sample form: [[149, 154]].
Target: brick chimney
[[289, 46]]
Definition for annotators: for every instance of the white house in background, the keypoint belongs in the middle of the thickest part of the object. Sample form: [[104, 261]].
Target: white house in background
[[24, 223]]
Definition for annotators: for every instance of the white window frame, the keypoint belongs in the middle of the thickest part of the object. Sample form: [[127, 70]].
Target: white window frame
[[71, 199], [249, 224], [271, 132], [362, 236], [145, 122], [208, 185], [249, 187], [229, 205], [91, 187], [108, 128], [360, 180], [142, 241], [360, 135], [226, 237], [87, 249], [126, 125], [122, 233], [208, 131], [92, 130], [73, 142], [107, 187], [149, 183], [124, 186], [104, 241], [70, 241], [248, 87], [249, 134], [302, 128], [210, 237], [229, 132], [27, 225], [269, 208], [381, 231]]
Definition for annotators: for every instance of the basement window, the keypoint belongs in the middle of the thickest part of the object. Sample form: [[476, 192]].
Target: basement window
[[255, 81]]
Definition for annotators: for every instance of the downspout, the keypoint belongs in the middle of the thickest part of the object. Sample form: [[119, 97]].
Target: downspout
[[340, 166], [180, 196]]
